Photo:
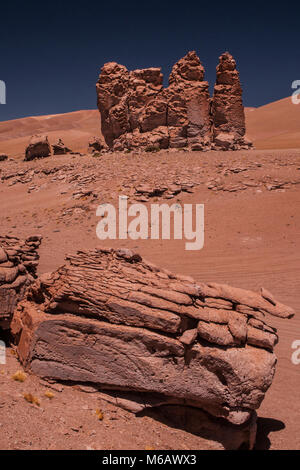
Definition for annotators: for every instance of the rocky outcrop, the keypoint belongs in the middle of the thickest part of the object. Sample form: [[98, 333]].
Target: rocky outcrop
[[115, 321], [137, 112], [59, 148], [3, 157], [96, 145], [38, 147], [227, 107], [18, 262]]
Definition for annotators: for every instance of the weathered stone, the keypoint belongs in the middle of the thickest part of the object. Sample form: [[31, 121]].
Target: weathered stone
[[112, 88], [216, 334], [110, 319], [217, 303], [189, 336], [237, 326], [59, 148], [38, 147], [96, 145], [137, 112], [262, 339], [15, 274], [227, 107], [245, 297], [188, 104]]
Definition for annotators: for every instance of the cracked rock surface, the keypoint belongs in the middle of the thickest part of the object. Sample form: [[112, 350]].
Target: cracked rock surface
[[110, 318]]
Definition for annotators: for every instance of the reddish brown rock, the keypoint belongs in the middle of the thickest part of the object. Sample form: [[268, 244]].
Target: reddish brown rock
[[136, 112], [38, 147], [112, 319], [18, 262], [112, 89], [96, 145], [145, 111], [59, 148], [227, 107], [188, 104]]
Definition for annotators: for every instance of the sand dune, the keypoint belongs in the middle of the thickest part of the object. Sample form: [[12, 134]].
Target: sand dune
[[275, 125], [74, 128]]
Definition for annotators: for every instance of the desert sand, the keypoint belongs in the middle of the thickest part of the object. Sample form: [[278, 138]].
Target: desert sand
[[275, 125]]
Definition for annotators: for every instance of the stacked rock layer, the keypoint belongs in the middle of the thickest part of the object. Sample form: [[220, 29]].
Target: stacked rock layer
[[18, 262], [111, 319]]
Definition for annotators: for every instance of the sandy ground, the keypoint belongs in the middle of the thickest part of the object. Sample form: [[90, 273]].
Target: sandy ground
[[252, 234]]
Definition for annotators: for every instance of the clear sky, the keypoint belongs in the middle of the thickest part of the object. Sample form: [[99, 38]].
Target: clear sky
[[51, 52]]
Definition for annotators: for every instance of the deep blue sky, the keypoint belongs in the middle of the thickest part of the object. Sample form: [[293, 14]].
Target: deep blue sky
[[51, 52]]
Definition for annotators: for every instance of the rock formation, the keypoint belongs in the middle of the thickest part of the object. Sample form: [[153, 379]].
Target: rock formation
[[38, 147], [59, 148], [110, 319], [18, 262], [96, 145], [188, 105], [137, 112], [3, 157], [227, 107]]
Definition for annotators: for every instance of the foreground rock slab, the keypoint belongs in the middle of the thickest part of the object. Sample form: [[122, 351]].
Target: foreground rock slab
[[18, 263], [110, 319]]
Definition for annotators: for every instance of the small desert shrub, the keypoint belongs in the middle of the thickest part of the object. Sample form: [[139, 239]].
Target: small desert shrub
[[152, 148], [96, 154], [19, 376], [31, 399], [99, 414]]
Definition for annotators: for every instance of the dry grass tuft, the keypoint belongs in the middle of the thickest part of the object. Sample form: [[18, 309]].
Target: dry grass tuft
[[19, 376]]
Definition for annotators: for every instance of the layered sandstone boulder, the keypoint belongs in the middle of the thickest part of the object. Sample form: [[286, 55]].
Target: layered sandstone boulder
[[227, 107], [110, 319], [38, 147], [137, 112], [59, 148], [18, 263]]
